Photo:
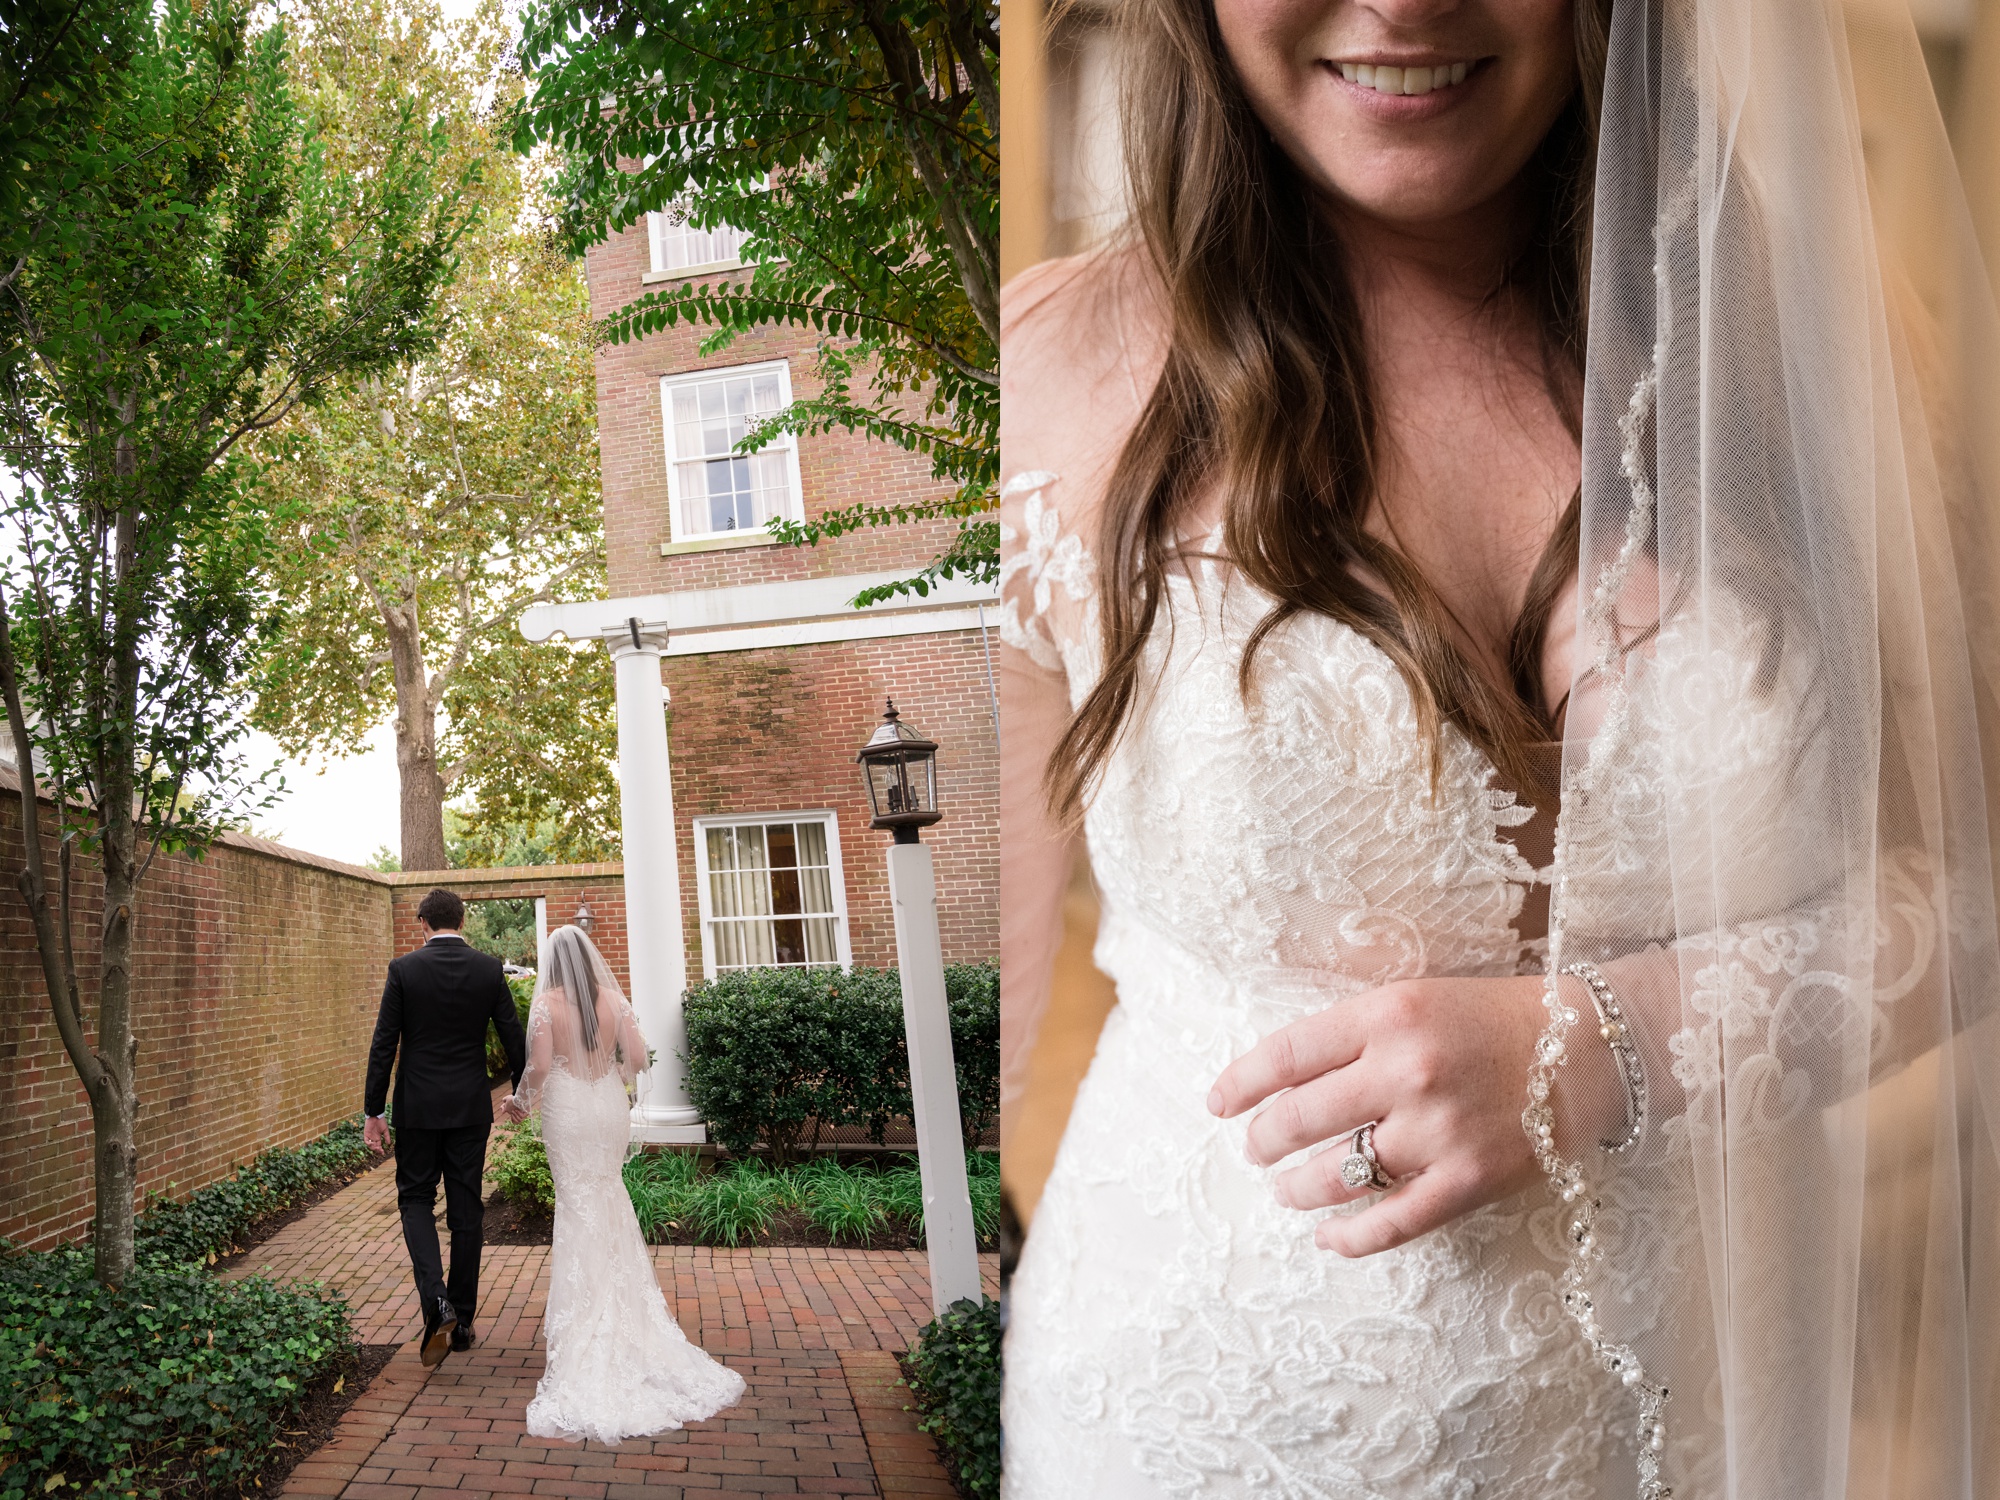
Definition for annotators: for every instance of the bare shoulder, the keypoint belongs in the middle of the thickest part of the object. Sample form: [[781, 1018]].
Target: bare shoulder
[[1081, 344]]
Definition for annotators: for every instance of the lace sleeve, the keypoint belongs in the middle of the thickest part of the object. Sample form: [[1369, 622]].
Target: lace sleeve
[[1754, 1005], [631, 1044], [541, 1054], [1759, 979], [1047, 601]]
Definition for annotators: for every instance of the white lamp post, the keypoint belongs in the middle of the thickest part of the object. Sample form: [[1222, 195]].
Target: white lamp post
[[900, 768]]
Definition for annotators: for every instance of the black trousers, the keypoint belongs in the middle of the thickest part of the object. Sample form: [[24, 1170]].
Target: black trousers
[[459, 1157]]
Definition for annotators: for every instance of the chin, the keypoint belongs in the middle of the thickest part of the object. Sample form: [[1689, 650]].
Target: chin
[[1406, 185]]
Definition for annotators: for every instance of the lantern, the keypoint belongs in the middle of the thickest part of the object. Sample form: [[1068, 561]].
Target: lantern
[[900, 769]]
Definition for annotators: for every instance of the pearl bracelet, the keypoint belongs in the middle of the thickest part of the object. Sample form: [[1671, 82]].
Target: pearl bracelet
[[1631, 1070]]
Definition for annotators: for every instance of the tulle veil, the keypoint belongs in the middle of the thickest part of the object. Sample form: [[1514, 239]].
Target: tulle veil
[[580, 1019], [1779, 783]]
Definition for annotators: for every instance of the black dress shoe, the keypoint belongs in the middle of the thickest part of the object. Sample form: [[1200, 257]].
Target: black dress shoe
[[440, 1324], [461, 1338]]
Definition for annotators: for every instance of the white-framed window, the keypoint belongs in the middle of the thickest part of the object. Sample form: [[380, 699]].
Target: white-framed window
[[712, 489], [771, 891], [680, 249]]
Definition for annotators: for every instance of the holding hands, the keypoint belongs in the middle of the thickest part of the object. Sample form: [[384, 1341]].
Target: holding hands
[[512, 1110], [1440, 1066]]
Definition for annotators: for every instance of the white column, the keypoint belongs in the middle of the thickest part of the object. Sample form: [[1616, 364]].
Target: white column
[[948, 1231], [654, 941]]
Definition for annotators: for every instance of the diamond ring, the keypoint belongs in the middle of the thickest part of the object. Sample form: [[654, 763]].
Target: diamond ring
[[1359, 1168]]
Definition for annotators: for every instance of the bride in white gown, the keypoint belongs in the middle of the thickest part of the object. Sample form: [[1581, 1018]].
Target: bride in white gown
[[1482, 379], [618, 1364]]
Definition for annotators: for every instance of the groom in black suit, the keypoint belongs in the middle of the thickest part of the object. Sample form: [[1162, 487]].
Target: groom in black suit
[[434, 1010]]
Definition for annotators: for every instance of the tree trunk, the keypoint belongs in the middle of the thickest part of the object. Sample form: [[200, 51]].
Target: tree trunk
[[416, 746], [114, 1105]]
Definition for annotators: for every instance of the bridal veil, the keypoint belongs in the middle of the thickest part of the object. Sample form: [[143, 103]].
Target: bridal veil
[[1779, 808]]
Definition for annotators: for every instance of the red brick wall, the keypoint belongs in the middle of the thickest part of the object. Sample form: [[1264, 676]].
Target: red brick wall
[[566, 887], [776, 731], [835, 470], [257, 974]]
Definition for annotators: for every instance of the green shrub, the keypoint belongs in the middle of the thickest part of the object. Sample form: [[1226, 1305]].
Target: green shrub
[[659, 1184], [523, 986], [209, 1220], [846, 1204], [520, 1169], [732, 1202], [772, 1052], [954, 1368], [727, 1208], [982, 1177], [973, 992], [180, 1376]]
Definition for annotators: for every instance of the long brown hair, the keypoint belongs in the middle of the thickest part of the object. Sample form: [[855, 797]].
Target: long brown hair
[[1266, 391]]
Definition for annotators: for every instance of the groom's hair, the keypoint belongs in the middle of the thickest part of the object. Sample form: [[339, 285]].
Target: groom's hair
[[442, 911]]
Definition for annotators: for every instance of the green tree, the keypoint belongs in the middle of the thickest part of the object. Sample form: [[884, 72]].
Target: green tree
[[433, 502], [856, 142], [476, 842], [504, 927], [196, 272], [60, 60]]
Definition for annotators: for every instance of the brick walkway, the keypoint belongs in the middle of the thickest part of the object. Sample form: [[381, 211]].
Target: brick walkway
[[813, 1332]]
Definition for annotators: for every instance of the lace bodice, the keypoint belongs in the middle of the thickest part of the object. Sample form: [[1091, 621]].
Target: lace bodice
[[1257, 862], [1300, 833]]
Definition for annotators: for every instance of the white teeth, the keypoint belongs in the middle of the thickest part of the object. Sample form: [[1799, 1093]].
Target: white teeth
[[1389, 80]]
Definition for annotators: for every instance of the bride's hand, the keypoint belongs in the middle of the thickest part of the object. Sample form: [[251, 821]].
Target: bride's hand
[[1442, 1065]]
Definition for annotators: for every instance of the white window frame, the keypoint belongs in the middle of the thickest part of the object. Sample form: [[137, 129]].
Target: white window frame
[[786, 443], [655, 223], [836, 875]]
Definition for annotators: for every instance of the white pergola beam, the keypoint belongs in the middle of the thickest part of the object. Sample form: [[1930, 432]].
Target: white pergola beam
[[754, 615]]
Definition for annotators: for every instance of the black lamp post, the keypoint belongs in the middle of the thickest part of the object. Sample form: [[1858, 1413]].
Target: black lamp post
[[900, 769]]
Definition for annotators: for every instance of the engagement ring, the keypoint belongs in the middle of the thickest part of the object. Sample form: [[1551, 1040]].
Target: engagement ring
[[1359, 1169]]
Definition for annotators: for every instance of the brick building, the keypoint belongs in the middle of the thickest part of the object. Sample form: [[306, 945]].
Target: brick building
[[748, 818]]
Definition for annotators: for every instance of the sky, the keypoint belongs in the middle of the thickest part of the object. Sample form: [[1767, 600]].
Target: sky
[[343, 809]]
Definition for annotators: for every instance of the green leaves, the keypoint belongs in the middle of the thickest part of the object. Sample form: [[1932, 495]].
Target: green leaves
[[857, 143], [188, 271], [733, 1202], [520, 1169], [195, 273], [210, 1220], [774, 1051], [954, 1368], [180, 1374]]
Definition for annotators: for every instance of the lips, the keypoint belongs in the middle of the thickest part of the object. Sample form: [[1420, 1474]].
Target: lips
[[1387, 79]]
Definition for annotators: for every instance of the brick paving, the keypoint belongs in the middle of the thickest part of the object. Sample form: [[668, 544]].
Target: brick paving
[[814, 1333]]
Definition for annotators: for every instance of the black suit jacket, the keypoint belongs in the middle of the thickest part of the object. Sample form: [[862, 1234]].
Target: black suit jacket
[[435, 1007]]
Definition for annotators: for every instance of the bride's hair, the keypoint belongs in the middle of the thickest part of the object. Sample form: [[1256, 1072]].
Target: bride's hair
[[569, 965], [1266, 391]]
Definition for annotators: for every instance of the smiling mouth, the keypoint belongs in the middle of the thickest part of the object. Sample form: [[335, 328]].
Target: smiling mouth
[[1385, 79]]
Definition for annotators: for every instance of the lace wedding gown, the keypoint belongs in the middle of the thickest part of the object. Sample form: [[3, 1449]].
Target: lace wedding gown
[[618, 1364], [1174, 1331]]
